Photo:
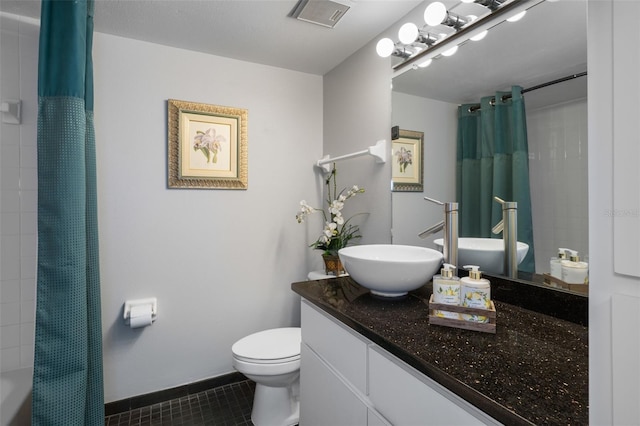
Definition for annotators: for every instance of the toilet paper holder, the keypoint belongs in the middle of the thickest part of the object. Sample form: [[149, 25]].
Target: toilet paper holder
[[129, 304]]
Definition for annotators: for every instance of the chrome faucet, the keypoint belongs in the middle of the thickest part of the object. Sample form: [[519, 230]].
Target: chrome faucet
[[450, 226], [509, 228]]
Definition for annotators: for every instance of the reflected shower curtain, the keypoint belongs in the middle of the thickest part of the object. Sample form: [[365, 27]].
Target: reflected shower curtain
[[67, 377], [493, 160]]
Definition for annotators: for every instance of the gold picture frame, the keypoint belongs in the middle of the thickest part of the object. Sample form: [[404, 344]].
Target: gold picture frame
[[207, 146], [407, 162]]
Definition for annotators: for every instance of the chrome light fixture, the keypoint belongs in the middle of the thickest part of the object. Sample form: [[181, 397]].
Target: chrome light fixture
[[491, 4], [409, 33], [386, 47], [428, 38], [437, 14], [417, 47]]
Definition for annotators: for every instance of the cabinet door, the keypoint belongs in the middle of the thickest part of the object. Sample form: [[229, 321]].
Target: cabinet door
[[324, 398], [406, 397], [340, 347]]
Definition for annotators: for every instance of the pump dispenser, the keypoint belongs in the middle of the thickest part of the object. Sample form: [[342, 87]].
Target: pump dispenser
[[574, 271], [555, 265], [475, 293], [446, 289]]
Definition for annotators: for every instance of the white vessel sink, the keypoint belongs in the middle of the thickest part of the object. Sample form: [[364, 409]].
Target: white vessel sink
[[390, 270], [487, 253]]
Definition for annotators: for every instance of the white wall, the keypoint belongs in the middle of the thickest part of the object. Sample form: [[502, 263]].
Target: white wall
[[439, 122], [220, 262], [19, 195], [357, 113]]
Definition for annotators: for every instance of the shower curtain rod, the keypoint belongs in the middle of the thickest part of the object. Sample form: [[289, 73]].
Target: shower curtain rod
[[530, 89]]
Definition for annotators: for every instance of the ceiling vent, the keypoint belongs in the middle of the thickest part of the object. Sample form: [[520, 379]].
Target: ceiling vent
[[321, 12]]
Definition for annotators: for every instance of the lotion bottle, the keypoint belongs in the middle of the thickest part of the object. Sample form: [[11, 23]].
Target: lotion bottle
[[476, 293], [574, 271], [555, 265], [446, 289]]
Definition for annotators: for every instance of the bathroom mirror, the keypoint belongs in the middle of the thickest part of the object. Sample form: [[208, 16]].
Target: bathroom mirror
[[548, 44]]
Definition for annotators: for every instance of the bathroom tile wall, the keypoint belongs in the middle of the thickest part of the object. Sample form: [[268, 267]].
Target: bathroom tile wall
[[18, 192], [558, 172]]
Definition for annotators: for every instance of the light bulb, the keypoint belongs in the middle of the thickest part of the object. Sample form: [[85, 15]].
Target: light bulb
[[517, 16], [435, 13], [385, 47], [425, 64], [408, 33], [450, 52], [480, 36]]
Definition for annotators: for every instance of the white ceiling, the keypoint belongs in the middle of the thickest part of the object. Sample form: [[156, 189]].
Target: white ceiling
[[251, 30]]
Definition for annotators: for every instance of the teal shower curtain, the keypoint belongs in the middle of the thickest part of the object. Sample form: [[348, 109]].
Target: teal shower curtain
[[67, 376], [493, 160]]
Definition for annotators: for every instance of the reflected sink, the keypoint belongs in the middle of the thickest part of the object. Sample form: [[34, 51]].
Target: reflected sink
[[390, 270], [487, 253]]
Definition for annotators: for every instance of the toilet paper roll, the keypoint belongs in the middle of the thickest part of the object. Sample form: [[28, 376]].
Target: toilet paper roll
[[141, 316]]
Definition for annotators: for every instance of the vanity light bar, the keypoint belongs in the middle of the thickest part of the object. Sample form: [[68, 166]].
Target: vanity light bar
[[471, 30]]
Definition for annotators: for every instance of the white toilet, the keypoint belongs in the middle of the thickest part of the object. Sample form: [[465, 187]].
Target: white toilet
[[271, 358]]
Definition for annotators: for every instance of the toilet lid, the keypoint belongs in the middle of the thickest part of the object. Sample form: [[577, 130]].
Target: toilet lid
[[278, 344]]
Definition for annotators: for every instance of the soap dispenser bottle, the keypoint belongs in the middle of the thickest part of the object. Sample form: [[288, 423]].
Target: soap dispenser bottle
[[446, 289], [476, 293], [555, 265], [574, 271]]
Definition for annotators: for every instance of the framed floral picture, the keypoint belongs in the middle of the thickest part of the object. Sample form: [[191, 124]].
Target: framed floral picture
[[207, 146], [407, 161]]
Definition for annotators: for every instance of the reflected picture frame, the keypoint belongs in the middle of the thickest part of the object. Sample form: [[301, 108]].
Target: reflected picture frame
[[407, 161], [207, 146]]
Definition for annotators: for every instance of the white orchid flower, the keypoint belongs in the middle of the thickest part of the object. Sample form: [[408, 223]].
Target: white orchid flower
[[337, 231], [336, 206]]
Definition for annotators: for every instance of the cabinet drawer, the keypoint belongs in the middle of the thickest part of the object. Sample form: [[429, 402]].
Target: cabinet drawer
[[343, 349], [324, 398], [405, 396]]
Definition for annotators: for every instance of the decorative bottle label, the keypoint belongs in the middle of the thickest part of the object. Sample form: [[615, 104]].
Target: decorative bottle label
[[447, 292], [474, 296]]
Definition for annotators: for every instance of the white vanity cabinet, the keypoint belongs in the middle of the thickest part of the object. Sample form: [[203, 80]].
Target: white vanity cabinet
[[333, 372], [345, 379], [404, 396]]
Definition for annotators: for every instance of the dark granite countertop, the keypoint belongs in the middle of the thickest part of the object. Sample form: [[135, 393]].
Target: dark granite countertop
[[534, 370]]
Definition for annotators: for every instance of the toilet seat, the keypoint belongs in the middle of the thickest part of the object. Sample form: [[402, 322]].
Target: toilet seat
[[271, 358], [275, 346], [266, 361]]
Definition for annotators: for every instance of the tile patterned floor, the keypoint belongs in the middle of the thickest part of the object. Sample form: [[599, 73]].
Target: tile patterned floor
[[228, 405]]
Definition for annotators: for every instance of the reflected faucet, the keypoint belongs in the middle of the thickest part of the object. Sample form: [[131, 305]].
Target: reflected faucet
[[450, 226], [509, 228]]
